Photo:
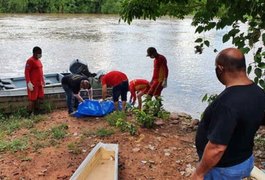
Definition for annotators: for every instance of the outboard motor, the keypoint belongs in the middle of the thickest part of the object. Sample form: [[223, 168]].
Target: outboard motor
[[78, 67]]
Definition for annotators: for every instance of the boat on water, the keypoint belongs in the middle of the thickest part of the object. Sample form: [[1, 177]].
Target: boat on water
[[13, 91], [101, 163]]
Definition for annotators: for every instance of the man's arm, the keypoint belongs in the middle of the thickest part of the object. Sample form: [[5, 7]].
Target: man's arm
[[211, 156], [139, 97], [79, 98], [104, 91], [27, 71], [90, 93]]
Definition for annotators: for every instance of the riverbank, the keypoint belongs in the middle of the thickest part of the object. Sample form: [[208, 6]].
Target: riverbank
[[55, 145]]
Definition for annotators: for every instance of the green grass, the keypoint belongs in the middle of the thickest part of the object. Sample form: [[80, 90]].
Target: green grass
[[74, 148], [59, 132], [104, 132], [119, 119], [40, 135], [10, 124], [112, 118], [15, 145]]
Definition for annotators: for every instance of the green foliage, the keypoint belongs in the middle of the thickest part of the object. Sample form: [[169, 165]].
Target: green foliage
[[112, 118], [14, 145], [111, 7], [144, 119], [60, 6], [104, 132], [59, 132], [74, 148], [118, 119], [151, 110], [46, 107], [209, 98], [213, 15], [40, 135]]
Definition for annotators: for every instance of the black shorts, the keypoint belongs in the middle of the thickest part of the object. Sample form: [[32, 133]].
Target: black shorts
[[120, 90]]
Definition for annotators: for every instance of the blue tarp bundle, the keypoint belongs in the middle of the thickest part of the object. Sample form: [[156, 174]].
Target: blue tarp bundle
[[94, 108]]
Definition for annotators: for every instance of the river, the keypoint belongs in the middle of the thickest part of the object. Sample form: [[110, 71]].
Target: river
[[104, 43]]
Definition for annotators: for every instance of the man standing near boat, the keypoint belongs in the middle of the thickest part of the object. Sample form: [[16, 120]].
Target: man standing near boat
[[119, 81], [35, 80], [72, 84], [160, 73]]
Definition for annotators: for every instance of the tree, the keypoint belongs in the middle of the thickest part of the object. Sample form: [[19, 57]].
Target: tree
[[213, 15]]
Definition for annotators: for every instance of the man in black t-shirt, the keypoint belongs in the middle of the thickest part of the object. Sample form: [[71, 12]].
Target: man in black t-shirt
[[225, 136], [72, 85]]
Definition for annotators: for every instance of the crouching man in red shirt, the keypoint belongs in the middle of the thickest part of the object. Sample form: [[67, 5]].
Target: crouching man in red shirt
[[35, 80], [120, 86], [141, 87]]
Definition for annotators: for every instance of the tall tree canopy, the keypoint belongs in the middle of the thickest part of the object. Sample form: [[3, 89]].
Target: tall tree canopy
[[213, 15], [60, 6]]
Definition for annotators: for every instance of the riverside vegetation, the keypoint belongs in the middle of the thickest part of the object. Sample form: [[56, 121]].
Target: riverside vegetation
[[152, 110], [53, 145]]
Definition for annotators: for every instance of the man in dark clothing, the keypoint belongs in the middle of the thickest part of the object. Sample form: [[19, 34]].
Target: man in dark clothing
[[225, 136], [72, 85]]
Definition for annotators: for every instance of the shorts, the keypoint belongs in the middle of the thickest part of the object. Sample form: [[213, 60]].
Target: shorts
[[37, 93], [236, 172], [120, 90], [155, 89]]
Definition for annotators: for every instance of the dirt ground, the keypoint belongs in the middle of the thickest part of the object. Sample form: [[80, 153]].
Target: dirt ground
[[166, 152]]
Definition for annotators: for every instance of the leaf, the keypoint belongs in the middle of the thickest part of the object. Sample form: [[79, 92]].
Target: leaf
[[226, 37], [261, 65], [249, 69], [258, 72], [263, 38], [207, 43], [245, 50], [257, 58], [198, 40], [199, 29], [262, 83], [233, 32], [204, 97]]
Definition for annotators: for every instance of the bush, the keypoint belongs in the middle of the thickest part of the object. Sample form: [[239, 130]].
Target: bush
[[151, 110]]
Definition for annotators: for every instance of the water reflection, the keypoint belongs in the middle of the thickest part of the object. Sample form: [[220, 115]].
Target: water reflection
[[106, 44]]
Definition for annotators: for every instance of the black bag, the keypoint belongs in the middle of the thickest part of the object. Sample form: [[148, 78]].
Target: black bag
[[78, 67]]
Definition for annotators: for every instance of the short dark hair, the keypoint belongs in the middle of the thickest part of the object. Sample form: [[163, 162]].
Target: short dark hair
[[232, 63], [36, 49], [86, 83], [151, 51]]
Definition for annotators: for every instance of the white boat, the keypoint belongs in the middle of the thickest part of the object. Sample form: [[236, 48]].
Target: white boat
[[13, 92], [100, 164]]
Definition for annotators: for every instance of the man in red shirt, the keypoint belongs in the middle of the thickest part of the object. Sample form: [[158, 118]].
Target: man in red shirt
[[160, 73], [119, 82], [35, 80], [141, 87]]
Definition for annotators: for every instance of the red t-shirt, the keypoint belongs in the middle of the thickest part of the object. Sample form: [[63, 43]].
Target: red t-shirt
[[160, 69], [137, 85], [113, 78], [34, 72]]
